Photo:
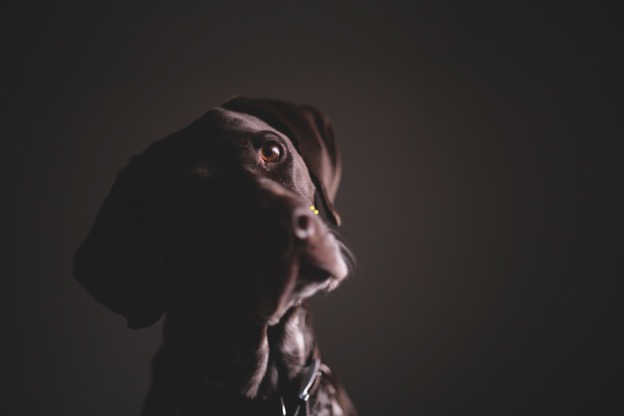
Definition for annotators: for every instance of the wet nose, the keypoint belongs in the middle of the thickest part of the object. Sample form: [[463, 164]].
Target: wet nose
[[304, 223]]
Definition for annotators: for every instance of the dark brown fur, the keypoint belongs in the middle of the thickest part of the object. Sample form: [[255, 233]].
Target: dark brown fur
[[204, 228]]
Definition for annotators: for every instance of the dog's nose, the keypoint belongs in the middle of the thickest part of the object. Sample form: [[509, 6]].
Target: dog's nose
[[304, 223]]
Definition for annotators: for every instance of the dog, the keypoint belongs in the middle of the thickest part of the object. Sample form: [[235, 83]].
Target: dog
[[217, 225]]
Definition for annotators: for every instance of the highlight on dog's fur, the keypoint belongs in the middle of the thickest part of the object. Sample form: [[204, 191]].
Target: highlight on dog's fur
[[212, 226]]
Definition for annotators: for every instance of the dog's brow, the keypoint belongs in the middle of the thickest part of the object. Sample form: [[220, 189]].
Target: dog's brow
[[269, 134]]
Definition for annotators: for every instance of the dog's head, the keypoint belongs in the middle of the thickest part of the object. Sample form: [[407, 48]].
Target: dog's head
[[220, 217]]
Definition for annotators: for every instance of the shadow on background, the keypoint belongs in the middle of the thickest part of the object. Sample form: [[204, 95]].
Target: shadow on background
[[481, 191]]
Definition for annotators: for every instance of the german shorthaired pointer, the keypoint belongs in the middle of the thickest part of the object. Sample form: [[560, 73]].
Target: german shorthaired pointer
[[217, 225]]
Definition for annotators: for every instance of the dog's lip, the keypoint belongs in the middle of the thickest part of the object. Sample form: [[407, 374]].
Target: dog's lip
[[317, 272], [319, 254]]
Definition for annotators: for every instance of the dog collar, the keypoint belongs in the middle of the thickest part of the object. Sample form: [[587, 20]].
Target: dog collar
[[310, 374], [296, 403]]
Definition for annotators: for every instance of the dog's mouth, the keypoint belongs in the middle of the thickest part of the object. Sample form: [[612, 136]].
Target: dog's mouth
[[315, 277], [321, 265], [318, 264]]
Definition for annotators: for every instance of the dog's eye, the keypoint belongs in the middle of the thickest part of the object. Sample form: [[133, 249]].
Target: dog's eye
[[271, 152]]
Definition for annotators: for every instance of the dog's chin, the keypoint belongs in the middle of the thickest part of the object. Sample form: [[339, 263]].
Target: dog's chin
[[311, 280]]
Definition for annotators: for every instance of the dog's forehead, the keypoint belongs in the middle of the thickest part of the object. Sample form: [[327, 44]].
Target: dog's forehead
[[237, 123]]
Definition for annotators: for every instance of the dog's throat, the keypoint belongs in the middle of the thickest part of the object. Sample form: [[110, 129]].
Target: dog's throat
[[247, 360]]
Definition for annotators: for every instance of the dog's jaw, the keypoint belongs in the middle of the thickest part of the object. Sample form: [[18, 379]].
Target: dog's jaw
[[320, 266]]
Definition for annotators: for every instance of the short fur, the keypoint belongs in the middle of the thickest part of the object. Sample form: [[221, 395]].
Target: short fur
[[201, 226]]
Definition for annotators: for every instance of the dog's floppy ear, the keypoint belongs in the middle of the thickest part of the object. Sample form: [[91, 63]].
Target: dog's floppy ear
[[119, 261], [312, 134]]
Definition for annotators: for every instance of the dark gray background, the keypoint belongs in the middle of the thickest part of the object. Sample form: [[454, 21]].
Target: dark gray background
[[483, 171]]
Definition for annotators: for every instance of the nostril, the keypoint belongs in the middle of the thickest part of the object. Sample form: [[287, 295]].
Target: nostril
[[303, 224]]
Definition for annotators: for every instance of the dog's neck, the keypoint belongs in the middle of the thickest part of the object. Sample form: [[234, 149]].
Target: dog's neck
[[250, 359]]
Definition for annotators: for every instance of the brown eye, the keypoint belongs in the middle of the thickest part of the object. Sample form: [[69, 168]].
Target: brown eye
[[271, 152]]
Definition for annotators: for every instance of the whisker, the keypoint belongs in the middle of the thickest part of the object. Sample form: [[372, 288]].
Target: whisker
[[347, 253]]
